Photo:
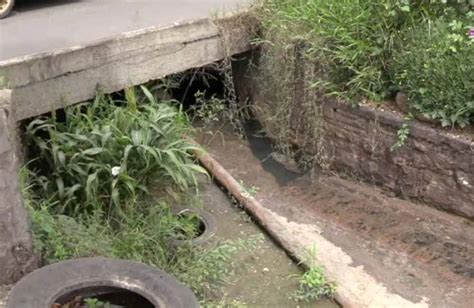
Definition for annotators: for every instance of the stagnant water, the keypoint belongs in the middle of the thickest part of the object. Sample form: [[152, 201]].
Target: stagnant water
[[262, 148]]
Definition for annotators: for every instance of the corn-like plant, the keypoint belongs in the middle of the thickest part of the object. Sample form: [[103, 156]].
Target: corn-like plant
[[106, 152]]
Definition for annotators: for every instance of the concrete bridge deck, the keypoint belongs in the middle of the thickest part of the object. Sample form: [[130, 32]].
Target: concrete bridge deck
[[38, 26]]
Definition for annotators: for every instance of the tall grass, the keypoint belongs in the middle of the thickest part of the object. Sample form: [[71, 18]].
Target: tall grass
[[348, 39], [105, 153], [351, 45]]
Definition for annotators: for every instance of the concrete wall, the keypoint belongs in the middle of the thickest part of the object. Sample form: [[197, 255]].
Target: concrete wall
[[16, 255]]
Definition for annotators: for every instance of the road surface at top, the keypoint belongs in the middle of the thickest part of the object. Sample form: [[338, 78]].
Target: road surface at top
[[40, 26]]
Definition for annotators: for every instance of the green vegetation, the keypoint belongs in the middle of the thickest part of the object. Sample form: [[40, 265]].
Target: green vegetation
[[88, 191], [355, 50], [208, 110], [313, 283], [248, 191], [105, 153], [95, 303], [402, 134], [144, 237], [434, 66]]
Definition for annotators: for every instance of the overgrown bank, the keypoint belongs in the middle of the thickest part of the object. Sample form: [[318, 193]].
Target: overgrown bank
[[356, 50]]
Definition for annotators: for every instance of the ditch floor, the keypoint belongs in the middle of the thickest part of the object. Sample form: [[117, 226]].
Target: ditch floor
[[414, 250], [264, 276]]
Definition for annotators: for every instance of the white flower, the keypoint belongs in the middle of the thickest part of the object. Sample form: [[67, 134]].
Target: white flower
[[115, 170]]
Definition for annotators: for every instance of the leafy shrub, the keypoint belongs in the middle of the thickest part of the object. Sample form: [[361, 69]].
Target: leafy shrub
[[435, 8], [103, 154], [207, 110], [434, 65]]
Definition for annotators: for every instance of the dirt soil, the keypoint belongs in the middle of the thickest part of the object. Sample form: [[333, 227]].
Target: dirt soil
[[416, 251], [262, 277]]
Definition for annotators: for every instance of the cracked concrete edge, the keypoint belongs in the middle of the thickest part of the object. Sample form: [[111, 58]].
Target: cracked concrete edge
[[355, 287], [16, 252]]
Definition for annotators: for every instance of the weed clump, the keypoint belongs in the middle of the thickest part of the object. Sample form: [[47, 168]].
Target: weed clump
[[313, 283]]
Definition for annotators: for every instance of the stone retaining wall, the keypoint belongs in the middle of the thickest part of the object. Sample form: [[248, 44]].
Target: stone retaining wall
[[433, 165]]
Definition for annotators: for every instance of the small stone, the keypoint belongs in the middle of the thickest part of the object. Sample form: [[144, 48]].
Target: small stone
[[265, 270]]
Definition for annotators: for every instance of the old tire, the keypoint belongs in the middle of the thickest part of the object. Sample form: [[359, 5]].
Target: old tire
[[206, 239], [6, 7], [43, 287]]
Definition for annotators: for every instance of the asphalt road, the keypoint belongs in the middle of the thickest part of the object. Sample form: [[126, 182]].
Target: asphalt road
[[37, 26]]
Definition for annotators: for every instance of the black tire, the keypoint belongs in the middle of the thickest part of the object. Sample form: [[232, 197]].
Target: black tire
[[43, 287], [5, 11], [206, 239]]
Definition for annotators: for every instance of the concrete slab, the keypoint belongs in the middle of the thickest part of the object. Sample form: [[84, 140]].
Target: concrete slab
[[45, 82], [47, 25]]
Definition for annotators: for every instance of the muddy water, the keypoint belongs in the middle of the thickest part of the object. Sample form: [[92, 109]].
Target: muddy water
[[262, 148], [262, 276]]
